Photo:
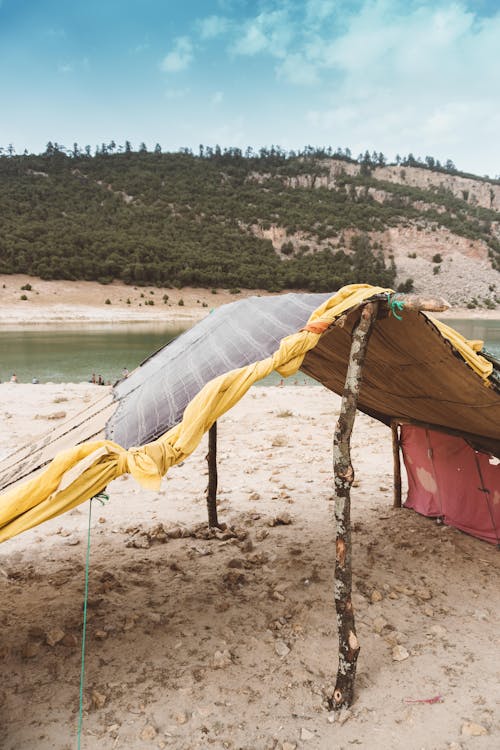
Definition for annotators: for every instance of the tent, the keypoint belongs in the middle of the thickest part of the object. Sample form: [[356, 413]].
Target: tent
[[381, 351], [448, 479]]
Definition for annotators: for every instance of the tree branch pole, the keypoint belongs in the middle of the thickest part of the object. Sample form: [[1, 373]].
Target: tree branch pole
[[397, 464], [344, 476], [212, 476]]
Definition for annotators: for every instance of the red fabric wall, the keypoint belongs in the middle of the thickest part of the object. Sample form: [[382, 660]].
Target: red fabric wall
[[444, 480]]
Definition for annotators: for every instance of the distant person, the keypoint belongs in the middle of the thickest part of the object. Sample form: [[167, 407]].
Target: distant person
[[100, 380], [34, 381], [93, 379], [125, 372], [13, 378]]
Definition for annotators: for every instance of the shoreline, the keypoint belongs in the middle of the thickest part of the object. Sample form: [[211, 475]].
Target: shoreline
[[53, 303]]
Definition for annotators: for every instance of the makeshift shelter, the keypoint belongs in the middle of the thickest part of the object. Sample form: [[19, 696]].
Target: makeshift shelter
[[379, 350]]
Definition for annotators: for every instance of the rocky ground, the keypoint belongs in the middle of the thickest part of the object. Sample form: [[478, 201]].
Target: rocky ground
[[202, 640]]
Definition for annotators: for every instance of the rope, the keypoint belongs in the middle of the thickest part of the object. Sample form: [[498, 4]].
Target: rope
[[103, 498], [395, 304]]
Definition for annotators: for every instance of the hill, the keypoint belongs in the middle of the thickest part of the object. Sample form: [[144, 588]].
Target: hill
[[270, 220]]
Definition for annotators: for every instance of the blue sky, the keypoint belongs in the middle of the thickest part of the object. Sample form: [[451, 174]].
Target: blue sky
[[391, 75]]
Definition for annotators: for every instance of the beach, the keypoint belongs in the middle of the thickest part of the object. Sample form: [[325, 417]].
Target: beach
[[229, 640], [59, 302]]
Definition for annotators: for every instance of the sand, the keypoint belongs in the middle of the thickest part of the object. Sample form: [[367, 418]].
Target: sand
[[230, 641], [52, 302]]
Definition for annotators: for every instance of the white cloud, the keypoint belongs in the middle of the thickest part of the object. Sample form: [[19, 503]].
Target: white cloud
[[296, 69], [270, 32], [180, 57], [212, 26], [66, 68]]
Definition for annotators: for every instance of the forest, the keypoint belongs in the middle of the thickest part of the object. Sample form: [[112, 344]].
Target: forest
[[182, 219]]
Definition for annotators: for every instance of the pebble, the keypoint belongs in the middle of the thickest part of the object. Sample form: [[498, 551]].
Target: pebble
[[399, 653], [70, 640], [98, 699], [254, 496], [148, 733], [379, 624], [281, 648], [288, 746], [438, 631], [54, 636], [30, 649], [305, 734], [471, 729], [376, 596], [181, 717], [221, 659], [423, 594]]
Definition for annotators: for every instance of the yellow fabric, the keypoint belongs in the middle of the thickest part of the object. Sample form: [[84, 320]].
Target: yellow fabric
[[80, 473]]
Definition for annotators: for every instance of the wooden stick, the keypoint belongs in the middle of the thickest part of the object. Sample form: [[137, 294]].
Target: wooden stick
[[344, 476], [397, 464], [417, 302], [212, 476]]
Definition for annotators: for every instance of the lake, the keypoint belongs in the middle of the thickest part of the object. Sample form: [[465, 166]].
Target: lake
[[71, 353]]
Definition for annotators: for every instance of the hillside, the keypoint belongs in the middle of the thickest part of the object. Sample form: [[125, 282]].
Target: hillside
[[273, 221]]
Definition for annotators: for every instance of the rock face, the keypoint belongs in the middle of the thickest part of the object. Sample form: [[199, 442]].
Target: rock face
[[464, 275]]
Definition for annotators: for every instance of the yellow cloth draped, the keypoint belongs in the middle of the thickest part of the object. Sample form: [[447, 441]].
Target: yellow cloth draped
[[77, 474]]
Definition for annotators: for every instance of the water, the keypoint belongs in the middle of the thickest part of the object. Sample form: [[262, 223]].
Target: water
[[71, 353]]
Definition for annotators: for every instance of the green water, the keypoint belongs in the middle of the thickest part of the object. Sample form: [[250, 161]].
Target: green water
[[71, 353]]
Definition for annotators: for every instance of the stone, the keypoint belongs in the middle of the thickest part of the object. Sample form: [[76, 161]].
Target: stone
[[53, 636], [376, 596], [438, 631], [149, 732], [379, 624], [181, 717], [471, 729], [305, 734], [97, 699], [70, 640], [399, 653], [30, 650], [423, 594], [288, 746], [281, 648], [221, 659], [254, 496]]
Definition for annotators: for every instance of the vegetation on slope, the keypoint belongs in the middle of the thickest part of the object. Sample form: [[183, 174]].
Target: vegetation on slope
[[178, 219]]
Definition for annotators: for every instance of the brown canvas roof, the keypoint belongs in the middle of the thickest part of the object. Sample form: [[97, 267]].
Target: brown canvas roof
[[411, 373]]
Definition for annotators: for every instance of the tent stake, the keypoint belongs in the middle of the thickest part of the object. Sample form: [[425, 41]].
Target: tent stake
[[212, 476], [344, 476], [397, 464]]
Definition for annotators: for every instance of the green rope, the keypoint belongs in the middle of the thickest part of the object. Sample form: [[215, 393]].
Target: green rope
[[103, 498], [395, 304]]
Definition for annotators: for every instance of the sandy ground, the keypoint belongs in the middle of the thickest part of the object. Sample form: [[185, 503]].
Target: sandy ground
[[229, 640], [70, 301]]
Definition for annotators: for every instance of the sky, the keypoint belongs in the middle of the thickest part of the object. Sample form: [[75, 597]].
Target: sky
[[395, 76]]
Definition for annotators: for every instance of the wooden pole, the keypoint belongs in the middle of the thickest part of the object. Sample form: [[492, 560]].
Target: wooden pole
[[397, 464], [344, 476], [212, 476]]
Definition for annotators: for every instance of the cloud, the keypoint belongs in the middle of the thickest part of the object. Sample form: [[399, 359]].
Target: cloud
[[212, 26], [296, 69], [270, 32], [180, 57]]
